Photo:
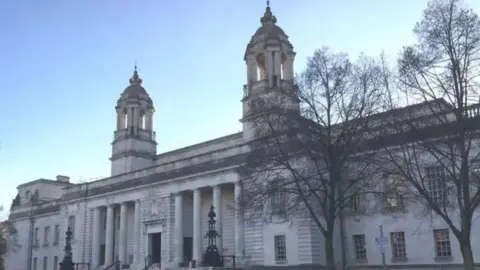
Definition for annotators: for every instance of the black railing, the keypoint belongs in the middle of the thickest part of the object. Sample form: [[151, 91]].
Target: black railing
[[82, 266], [148, 261], [228, 261], [113, 266]]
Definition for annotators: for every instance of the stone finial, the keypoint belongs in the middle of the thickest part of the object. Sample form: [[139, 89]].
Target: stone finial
[[135, 80], [268, 15]]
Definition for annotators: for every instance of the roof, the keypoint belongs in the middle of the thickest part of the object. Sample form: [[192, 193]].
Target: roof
[[135, 91]]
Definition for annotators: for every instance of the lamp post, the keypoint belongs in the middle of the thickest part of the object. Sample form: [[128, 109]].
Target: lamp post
[[212, 256], [67, 263]]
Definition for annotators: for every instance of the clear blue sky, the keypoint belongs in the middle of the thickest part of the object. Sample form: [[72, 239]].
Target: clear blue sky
[[65, 63]]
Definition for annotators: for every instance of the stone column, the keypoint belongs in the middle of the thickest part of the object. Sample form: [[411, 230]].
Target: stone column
[[119, 119], [130, 116], [197, 225], [136, 234], [96, 238], [288, 69], [239, 237], [122, 248], [277, 66], [178, 237], [217, 204], [109, 236]]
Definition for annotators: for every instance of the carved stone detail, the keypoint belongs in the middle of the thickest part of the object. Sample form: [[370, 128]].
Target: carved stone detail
[[155, 209]]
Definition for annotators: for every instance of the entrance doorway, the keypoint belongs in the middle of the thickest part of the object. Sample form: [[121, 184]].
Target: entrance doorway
[[187, 248], [156, 247]]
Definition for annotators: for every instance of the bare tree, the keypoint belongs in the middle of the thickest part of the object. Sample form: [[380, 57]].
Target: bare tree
[[306, 161], [8, 239], [434, 144]]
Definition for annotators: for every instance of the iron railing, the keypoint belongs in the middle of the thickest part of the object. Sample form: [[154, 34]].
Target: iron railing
[[113, 266], [228, 261], [82, 266], [148, 261]]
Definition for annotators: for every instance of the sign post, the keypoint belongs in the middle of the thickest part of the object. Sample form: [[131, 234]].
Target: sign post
[[382, 244]]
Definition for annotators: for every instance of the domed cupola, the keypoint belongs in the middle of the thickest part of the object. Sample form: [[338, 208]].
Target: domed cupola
[[135, 92], [134, 146], [269, 57], [269, 30]]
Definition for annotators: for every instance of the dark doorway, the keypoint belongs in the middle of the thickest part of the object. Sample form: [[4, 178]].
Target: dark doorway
[[102, 254], [187, 249], [156, 240]]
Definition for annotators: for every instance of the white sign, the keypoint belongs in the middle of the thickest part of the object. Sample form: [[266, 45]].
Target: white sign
[[382, 243]]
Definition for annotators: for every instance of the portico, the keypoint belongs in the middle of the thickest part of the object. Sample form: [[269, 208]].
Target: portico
[[188, 215]]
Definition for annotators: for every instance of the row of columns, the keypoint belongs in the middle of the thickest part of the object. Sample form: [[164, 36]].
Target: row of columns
[[109, 235], [178, 228], [133, 118], [197, 223]]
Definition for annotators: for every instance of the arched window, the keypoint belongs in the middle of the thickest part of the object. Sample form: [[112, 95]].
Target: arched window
[[283, 59], [27, 195], [260, 66], [142, 122], [125, 120]]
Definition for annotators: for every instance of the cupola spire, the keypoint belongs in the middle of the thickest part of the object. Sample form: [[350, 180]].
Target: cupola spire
[[268, 15], [135, 80]]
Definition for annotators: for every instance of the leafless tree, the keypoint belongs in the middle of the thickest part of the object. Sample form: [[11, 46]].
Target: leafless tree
[[434, 145], [307, 162], [8, 239]]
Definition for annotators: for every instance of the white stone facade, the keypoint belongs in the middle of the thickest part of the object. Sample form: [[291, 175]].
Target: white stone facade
[[120, 217]]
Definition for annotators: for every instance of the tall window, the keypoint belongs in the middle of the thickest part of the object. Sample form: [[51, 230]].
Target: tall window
[[354, 202], [37, 237], [280, 248], [55, 263], [278, 199], [46, 236], [394, 196], [57, 235], [71, 224], [34, 266], [359, 247], [399, 250], [436, 183], [442, 243], [45, 259]]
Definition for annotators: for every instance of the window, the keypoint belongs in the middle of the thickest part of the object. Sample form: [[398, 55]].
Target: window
[[71, 224], [56, 238], [27, 195], [354, 202], [436, 183], [280, 248], [398, 245], [277, 198], [394, 198], [442, 243], [37, 237], [55, 263], [360, 248], [46, 236], [45, 263], [34, 266]]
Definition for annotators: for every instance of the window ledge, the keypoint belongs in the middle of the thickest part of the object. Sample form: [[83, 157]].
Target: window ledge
[[394, 260], [444, 259], [281, 262], [361, 261], [55, 243]]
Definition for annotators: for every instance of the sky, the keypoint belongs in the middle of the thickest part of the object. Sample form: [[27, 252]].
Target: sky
[[64, 65]]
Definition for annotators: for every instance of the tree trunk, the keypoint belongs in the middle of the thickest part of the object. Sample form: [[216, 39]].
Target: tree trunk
[[329, 251], [466, 248]]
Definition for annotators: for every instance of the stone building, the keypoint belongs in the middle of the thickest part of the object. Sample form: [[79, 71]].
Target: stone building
[[154, 206]]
